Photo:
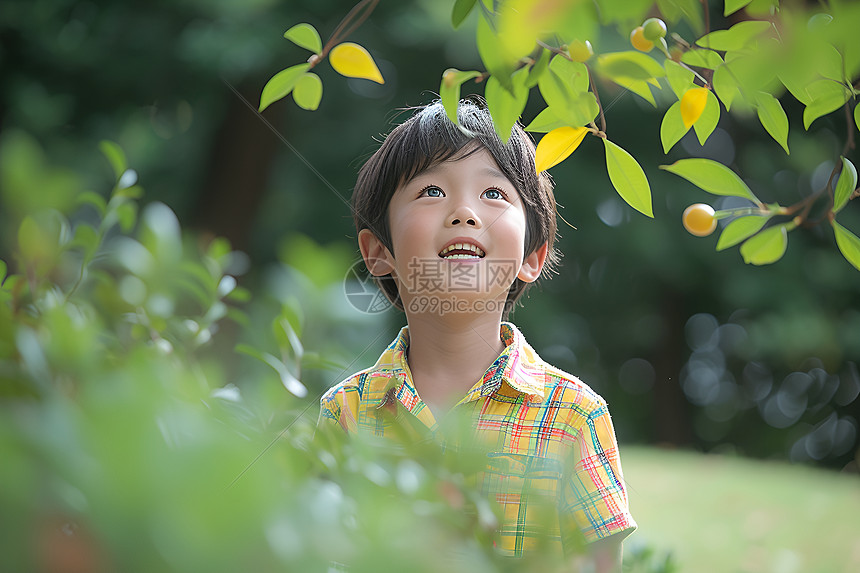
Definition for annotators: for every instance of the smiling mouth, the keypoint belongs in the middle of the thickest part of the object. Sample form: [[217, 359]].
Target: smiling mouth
[[462, 251]]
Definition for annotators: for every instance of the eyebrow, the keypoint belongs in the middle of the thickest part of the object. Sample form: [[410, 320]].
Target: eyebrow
[[486, 171], [493, 172]]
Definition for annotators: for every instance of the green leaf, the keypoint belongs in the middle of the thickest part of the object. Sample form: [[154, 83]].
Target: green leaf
[[571, 106], [127, 216], [767, 247], [733, 6], [449, 90], [219, 249], [539, 68], [734, 38], [94, 199], [581, 111], [290, 382], [857, 116], [492, 53], [292, 311], [740, 229], [35, 243], [707, 122], [810, 60], [133, 192], [115, 156], [845, 186], [773, 118], [573, 74], [521, 23], [305, 36], [848, 243], [672, 129], [621, 11], [670, 10], [628, 178], [86, 238], [633, 71], [3, 271], [545, 122], [826, 96], [239, 294], [754, 70], [680, 78], [725, 85], [710, 176], [308, 91], [762, 7], [281, 84], [460, 11], [702, 59], [287, 337], [505, 108], [631, 65], [690, 10]]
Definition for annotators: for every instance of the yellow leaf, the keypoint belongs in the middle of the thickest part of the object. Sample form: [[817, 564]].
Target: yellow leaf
[[557, 145], [353, 61], [692, 105]]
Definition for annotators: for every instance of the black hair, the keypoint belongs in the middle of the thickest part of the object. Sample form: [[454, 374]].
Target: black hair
[[428, 138]]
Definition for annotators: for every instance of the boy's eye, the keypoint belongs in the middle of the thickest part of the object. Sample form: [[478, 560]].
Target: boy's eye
[[432, 191], [493, 194]]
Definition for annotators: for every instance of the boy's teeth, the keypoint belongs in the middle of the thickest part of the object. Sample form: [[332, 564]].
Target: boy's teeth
[[474, 251]]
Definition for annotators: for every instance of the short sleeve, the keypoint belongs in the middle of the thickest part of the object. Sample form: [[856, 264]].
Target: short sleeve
[[594, 496], [329, 409]]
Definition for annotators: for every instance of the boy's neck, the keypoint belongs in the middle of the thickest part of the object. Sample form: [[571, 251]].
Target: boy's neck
[[448, 354]]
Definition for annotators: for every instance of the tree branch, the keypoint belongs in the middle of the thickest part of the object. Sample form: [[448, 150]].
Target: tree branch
[[347, 26]]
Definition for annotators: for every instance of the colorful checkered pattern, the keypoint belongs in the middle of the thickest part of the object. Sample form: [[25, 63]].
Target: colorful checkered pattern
[[552, 461]]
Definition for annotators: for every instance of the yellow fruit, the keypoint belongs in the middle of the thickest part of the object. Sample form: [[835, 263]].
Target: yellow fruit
[[653, 29], [699, 219], [639, 41], [580, 51]]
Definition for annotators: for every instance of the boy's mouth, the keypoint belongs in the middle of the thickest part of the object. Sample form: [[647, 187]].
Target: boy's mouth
[[462, 251]]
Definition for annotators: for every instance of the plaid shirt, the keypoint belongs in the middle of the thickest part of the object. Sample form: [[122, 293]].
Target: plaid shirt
[[552, 444]]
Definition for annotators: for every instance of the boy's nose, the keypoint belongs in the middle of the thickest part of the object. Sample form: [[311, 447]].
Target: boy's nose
[[465, 216]]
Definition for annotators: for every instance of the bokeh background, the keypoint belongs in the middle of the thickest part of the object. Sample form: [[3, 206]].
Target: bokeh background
[[736, 369]]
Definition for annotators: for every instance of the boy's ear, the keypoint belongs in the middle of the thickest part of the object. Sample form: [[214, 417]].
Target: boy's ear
[[533, 264], [376, 256]]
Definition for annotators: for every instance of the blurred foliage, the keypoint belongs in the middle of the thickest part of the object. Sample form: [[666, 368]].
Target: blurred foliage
[[130, 443]]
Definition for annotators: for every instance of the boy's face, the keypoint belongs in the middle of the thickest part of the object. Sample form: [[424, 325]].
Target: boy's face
[[458, 231]]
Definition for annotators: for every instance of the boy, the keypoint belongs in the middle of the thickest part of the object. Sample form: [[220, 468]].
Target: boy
[[455, 224]]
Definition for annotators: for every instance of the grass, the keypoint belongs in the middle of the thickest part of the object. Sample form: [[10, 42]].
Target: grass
[[728, 514]]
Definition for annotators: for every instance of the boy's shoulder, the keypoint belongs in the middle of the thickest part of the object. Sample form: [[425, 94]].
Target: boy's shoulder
[[389, 365], [352, 383], [562, 388]]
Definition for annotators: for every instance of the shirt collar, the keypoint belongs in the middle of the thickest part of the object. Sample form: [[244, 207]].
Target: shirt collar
[[516, 366]]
